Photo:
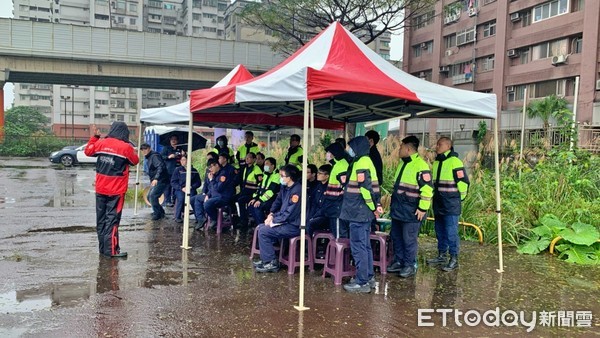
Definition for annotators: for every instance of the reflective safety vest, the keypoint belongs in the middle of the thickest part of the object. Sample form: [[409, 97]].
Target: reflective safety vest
[[335, 188], [243, 150], [251, 179], [450, 182], [413, 189], [269, 186], [294, 156], [361, 193]]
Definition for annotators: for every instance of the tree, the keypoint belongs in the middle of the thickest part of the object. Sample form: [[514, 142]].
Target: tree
[[24, 121], [552, 107], [295, 22]]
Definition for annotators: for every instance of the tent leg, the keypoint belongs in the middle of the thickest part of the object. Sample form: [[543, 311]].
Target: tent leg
[[188, 183], [137, 170], [498, 201], [301, 306]]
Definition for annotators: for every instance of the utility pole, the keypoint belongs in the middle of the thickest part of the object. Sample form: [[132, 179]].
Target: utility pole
[[65, 98]]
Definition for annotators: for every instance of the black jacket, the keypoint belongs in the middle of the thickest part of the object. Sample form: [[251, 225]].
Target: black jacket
[[157, 170], [377, 162], [178, 179], [316, 201], [171, 163]]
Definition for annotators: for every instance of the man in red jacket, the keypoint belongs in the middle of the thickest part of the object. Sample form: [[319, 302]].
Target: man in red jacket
[[115, 155]]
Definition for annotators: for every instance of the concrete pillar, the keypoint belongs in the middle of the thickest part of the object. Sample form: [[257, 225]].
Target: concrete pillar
[[1, 112]]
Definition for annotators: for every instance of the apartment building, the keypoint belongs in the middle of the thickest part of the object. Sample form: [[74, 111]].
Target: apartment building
[[503, 47], [72, 109]]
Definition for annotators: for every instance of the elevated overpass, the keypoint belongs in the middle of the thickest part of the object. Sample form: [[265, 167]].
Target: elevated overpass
[[52, 53]]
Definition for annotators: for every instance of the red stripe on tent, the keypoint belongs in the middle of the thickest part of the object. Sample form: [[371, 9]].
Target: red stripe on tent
[[348, 70], [211, 97], [241, 75]]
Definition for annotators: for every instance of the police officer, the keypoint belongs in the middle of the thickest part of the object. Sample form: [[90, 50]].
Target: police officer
[[222, 147], [159, 179], [267, 192], [295, 152], [334, 194], [411, 198], [245, 149], [250, 178], [359, 206], [283, 221], [178, 180], [171, 154], [316, 200], [450, 183], [219, 194]]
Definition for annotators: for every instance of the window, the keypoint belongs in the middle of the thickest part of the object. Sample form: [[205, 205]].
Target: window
[[100, 116], [153, 30], [550, 9], [154, 4], [120, 103], [578, 5], [524, 56], [120, 19], [170, 6], [101, 102], [550, 49], [153, 95], [101, 89], [209, 29], [210, 3], [169, 20], [487, 63], [133, 104], [424, 19], [120, 117], [132, 21], [485, 2], [577, 44], [385, 56], [197, 4], [465, 36], [222, 7], [196, 16], [23, 8], [450, 41], [121, 5], [517, 94], [196, 30], [460, 68], [209, 16], [100, 17], [132, 7], [489, 29], [132, 118]]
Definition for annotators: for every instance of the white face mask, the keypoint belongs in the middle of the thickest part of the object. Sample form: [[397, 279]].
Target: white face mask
[[267, 168], [221, 143], [328, 156], [351, 152], [282, 181]]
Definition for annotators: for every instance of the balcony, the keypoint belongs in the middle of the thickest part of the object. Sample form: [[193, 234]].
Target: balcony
[[462, 78]]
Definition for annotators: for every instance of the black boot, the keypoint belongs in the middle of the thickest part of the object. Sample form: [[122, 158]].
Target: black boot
[[272, 266], [452, 265], [440, 259]]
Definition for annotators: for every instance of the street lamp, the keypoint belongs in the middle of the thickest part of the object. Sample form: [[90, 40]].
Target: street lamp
[[65, 98], [72, 110]]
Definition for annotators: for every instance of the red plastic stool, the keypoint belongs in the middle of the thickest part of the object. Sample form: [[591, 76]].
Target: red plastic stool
[[321, 235], [290, 254], [337, 260], [255, 249], [380, 250]]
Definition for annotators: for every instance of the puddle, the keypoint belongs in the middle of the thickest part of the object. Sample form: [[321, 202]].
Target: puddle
[[74, 228]]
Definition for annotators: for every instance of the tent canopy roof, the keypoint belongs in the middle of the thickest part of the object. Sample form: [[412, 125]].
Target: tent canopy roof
[[348, 82]]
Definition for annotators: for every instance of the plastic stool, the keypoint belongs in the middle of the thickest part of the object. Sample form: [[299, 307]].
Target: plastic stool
[[221, 222], [321, 235], [291, 256], [380, 250], [337, 260], [255, 248]]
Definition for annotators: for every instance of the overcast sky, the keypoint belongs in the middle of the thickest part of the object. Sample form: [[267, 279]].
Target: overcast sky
[[6, 7]]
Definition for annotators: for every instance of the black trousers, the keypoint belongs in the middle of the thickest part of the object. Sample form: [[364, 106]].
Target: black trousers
[[108, 217]]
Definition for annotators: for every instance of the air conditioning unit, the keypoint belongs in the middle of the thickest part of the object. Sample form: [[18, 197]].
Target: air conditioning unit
[[510, 89], [559, 59], [514, 17], [444, 69], [422, 75], [449, 52], [598, 85], [512, 53], [472, 11], [97, 106], [424, 45]]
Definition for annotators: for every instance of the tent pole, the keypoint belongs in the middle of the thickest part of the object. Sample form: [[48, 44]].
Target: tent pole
[[137, 170], [312, 123], [498, 201], [523, 128], [573, 130], [301, 307], [188, 184]]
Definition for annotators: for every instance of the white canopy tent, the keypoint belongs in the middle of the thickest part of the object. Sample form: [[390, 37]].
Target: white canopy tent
[[335, 76]]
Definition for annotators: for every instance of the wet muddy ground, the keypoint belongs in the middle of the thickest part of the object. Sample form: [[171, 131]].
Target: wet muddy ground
[[54, 284]]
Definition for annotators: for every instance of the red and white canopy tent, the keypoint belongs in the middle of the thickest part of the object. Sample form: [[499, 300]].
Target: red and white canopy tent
[[337, 77], [180, 113]]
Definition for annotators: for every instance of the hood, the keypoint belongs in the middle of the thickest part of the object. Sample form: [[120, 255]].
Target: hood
[[360, 145], [336, 150], [221, 138], [119, 131]]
